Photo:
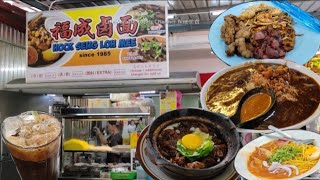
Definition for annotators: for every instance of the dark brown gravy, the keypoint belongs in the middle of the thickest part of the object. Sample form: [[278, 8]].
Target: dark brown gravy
[[287, 113]]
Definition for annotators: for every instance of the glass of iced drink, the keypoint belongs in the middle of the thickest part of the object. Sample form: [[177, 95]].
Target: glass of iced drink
[[33, 139]]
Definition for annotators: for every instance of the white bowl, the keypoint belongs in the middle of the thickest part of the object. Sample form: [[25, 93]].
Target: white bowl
[[243, 155], [289, 64]]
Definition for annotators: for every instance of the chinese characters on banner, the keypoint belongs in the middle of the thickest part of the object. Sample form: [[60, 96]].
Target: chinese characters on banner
[[108, 42]]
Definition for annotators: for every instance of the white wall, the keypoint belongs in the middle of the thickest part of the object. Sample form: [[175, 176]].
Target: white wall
[[190, 51], [200, 60]]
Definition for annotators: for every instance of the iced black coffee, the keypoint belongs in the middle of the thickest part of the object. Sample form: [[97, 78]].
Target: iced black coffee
[[33, 139]]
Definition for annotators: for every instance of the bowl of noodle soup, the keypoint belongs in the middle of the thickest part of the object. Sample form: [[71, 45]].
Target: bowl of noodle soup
[[269, 158]]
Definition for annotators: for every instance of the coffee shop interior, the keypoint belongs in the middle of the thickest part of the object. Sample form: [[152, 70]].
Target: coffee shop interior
[[98, 108]]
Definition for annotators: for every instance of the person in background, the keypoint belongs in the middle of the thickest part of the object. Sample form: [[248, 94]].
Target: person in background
[[131, 127], [113, 139], [140, 126]]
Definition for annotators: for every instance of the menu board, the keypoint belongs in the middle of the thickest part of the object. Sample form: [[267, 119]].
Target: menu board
[[126, 41]]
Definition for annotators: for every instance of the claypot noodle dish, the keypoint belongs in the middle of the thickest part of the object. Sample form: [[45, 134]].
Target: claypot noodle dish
[[39, 44], [297, 95], [193, 145], [261, 32], [282, 159]]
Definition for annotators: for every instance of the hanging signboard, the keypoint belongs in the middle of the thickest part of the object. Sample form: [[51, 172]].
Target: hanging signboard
[[126, 41]]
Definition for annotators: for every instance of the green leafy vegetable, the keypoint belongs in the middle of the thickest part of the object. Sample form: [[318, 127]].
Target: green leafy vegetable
[[284, 153], [153, 46], [146, 19], [204, 150]]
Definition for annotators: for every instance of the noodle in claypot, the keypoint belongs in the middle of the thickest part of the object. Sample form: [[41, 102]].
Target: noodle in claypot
[[192, 145]]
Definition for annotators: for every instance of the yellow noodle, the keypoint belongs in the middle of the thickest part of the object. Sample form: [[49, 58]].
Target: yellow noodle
[[301, 161]]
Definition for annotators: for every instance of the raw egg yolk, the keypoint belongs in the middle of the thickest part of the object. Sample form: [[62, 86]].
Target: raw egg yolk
[[191, 141]]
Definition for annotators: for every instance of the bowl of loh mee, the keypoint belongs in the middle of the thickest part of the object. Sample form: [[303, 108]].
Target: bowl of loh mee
[[151, 18], [295, 89], [269, 158], [261, 31], [192, 143], [39, 44], [149, 49]]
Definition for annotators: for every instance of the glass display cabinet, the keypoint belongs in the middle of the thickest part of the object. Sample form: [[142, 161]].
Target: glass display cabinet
[[97, 141]]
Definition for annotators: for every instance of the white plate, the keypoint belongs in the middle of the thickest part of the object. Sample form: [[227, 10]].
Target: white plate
[[242, 157], [289, 64]]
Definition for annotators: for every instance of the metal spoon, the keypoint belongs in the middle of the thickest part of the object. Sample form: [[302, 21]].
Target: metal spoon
[[289, 137]]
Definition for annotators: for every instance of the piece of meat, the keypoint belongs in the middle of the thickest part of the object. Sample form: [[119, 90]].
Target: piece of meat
[[240, 24], [231, 50], [282, 53], [250, 47], [217, 140], [272, 53], [271, 46], [243, 33], [171, 144], [220, 150], [168, 134], [180, 160], [275, 44], [203, 128], [275, 33], [164, 153], [242, 48], [209, 161], [217, 155], [196, 165], [228, 29], [259, 35], [167, 141], [247, 14], [258, 53]]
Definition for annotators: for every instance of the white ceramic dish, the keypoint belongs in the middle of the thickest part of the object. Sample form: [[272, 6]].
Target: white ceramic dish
[[290, 64], [242, 157]]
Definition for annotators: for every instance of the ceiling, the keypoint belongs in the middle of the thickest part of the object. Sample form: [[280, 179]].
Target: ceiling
[[198, 11]]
